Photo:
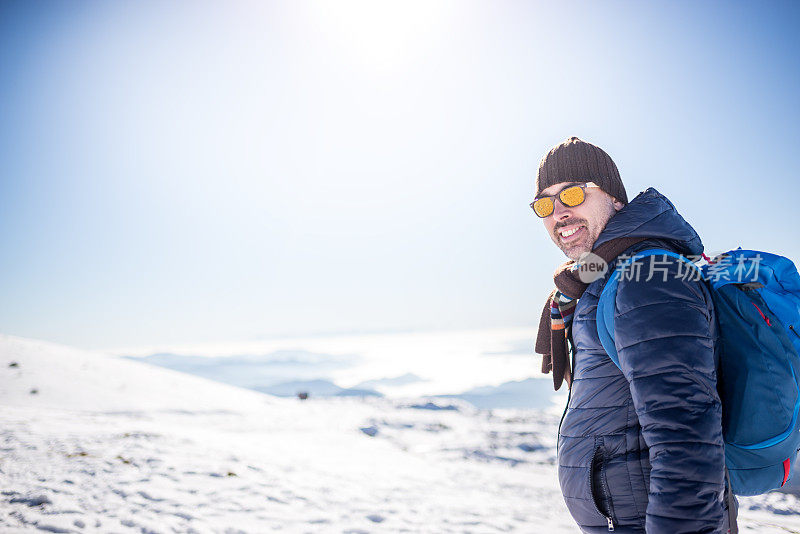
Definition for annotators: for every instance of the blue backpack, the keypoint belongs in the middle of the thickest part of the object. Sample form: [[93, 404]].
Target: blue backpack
[[757, 300]]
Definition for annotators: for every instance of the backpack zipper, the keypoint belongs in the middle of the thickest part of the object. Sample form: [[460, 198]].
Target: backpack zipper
[[793, 330]]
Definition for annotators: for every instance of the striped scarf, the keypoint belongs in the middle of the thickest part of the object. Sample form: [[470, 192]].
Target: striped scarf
[[562, 308], [555, 325]]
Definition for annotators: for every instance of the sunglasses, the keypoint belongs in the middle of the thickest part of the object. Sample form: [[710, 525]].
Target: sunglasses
[[570, 196]]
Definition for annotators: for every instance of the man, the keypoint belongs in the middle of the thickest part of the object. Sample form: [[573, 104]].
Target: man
[[640, 447]]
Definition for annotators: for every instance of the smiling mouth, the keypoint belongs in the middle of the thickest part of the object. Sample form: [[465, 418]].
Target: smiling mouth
[[571, 234]]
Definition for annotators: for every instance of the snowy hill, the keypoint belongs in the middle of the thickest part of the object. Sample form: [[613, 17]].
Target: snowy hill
[[106, 444], [40, 374]]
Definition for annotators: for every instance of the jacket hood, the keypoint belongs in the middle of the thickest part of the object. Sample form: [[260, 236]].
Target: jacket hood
[[652, 215]]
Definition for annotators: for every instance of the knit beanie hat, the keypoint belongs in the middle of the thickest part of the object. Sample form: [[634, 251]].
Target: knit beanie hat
[[575, 160]]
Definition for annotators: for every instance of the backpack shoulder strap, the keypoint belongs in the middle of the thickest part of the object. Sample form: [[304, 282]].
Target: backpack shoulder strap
[[606, 305]]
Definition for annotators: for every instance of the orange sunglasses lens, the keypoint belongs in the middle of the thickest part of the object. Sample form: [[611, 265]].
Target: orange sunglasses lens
[[572, 196], [543, 206]]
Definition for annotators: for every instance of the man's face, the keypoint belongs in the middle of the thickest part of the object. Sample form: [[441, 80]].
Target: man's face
[[588, 218]]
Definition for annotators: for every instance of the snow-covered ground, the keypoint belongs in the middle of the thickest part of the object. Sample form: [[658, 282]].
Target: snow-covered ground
[[96, 443]]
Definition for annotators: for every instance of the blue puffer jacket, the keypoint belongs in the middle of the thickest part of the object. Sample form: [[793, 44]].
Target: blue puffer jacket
[[640, 449]]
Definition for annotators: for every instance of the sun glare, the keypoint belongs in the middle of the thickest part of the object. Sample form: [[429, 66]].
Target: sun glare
[[384, 35]]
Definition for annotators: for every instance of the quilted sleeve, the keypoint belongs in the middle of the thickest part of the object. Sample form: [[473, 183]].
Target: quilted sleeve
[[664, 335]]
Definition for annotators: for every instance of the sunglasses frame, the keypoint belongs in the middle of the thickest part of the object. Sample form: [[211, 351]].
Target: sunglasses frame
[[556, 196]]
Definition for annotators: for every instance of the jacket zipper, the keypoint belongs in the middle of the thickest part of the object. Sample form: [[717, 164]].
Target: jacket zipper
[[603, 490], [569, 395]]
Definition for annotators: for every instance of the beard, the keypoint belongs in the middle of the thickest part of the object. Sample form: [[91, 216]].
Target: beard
[[599, 214], [584, 242]]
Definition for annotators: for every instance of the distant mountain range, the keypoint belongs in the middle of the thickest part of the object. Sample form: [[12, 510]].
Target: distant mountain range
[[528, 393], [408, 378], [289, 373], [315, 388]]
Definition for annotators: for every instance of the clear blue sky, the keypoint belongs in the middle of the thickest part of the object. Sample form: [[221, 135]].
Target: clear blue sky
[[196, 171]]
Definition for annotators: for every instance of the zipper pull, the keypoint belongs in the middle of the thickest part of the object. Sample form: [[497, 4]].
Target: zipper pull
[[610, 524], [793, 330]]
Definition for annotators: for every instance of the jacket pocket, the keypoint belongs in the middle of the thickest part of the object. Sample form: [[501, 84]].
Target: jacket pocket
[[598, 486]]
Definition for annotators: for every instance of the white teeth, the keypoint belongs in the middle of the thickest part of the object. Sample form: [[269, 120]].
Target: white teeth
[[570, 232]]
